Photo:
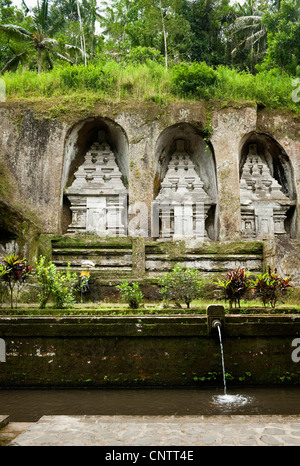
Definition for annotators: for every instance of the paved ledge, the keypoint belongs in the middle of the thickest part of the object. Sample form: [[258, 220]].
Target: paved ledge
[[12, 430], [4, 420], [162, 431]]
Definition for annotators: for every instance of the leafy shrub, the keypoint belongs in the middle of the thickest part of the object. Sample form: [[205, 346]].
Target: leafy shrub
[[144, 54], [193, 79], [143, 77], [181, 284], [13, 274], [130, 294], [235, 286], [90, 77], [270, 287], [56, 284]]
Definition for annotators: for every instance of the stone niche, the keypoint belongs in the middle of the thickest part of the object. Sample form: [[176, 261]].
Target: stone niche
[[182, 204], [8, 243], [97, 195], [265, 203]]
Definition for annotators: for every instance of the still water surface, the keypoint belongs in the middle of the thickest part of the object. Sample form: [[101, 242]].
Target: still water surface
[[25, 405]]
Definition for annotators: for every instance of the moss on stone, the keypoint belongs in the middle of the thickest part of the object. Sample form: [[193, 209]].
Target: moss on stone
[[92, 241], [6, 185], [178, 249]]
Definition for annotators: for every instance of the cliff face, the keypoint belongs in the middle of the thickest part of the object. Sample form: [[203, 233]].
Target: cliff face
[[39, 154], [31, 157]]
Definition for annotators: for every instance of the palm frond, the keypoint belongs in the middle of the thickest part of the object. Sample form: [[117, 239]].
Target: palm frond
[[76, 49], [48, 41], [242, 19], [13, 30], [48, 58], [12, 61], [251, 40], [63, 57]]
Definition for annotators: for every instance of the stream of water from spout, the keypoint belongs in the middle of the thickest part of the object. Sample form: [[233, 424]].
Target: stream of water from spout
[[222, 354], [227, 400]]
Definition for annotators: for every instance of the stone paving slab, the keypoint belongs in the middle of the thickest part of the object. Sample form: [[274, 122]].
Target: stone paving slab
[[122, 431], [4, 420], [10, 431]]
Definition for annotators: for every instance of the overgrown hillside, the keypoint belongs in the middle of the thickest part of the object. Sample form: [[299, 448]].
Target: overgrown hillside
[[152, 82], [153, 51]]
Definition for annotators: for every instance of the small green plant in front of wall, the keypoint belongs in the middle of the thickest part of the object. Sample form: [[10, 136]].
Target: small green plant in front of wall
[[130, 294], [55, 284], [182, 284]]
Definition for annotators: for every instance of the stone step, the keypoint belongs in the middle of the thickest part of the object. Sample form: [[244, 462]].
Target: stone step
[[4, 420], [11, 431]]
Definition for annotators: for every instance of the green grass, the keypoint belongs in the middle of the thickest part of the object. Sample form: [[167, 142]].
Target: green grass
[[119, 309], [152, 82]]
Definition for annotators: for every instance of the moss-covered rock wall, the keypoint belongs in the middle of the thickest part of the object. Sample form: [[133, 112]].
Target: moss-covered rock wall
[[40, 148], [148, 351]]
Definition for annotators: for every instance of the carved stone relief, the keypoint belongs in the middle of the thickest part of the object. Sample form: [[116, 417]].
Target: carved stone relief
[[182, 203], [98, 196], [263, 204]]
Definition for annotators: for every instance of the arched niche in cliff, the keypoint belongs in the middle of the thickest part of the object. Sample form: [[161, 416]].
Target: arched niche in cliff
[[8, 242], [18, 233], [267, 188], [82, 139], [185, 174]]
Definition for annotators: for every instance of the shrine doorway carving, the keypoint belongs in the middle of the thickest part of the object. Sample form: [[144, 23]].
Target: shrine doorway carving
[[185, 189], [267, 190], [95, 179]]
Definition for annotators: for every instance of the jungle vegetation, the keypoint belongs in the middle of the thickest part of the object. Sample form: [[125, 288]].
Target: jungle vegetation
[[153, 50]]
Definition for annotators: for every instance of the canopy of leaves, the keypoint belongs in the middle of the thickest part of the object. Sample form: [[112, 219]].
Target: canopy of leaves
[[204, 44]]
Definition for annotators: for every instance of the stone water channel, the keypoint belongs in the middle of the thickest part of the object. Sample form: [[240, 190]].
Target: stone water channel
[[194, 413]]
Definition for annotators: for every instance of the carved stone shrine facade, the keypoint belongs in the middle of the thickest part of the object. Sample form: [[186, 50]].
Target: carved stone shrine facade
[[182, 203], [264, 206], [97, 195]]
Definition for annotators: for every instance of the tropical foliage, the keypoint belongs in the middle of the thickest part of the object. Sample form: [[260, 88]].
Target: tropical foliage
[[13, 274], [130, 294], [234, 286], [271, 287], [218, 32], [56, 284], [38, 37], [182, 284], [153, 50]]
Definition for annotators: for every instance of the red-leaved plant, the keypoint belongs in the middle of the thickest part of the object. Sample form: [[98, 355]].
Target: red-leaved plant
[[271, 287], [235, 286], [14, 272]]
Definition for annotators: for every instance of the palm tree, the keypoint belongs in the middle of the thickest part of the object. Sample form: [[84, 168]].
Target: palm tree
[[38, 39], [249, 30], [91, 14]]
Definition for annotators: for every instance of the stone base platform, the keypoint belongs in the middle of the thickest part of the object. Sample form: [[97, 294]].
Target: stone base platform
[[235, 430]]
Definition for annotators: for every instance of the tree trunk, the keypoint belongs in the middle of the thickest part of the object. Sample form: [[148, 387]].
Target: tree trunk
[[164, 34], [11, 289], [82, 37], [39, 60]]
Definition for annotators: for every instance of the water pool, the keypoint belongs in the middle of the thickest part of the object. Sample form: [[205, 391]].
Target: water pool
[[29, 405]]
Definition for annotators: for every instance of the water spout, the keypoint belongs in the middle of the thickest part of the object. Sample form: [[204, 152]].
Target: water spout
[[216, 323]]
